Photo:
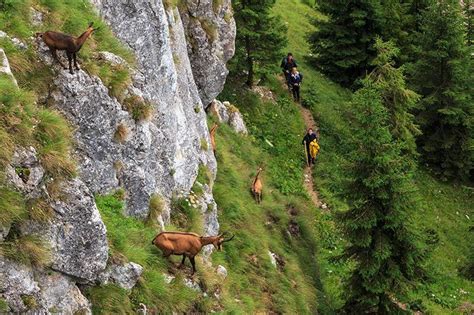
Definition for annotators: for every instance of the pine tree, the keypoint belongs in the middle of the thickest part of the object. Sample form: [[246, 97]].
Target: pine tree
[[343, 44], [443, 75], [260, 37], [385, 253], [396, 98]]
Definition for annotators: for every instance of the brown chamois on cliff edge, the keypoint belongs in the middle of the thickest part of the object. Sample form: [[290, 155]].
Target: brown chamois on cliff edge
[[59, 41]]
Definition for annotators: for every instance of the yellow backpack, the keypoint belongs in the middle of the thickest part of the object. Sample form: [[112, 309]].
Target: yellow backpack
[[313, 148]]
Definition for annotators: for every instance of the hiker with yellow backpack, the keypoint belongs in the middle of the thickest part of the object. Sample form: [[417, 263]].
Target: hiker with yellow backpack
[[310, 142]]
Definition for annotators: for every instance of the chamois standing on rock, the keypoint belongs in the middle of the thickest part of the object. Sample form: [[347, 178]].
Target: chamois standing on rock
[[59, 41], [257, 187], [187, 244], [212, 133]]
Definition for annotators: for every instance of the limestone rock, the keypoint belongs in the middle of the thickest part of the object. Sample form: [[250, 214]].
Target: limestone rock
[[44, 292], [4, 64], [17, 281], [111, 58], [76, 234], [162, 155], [25, 172], [124, 275], [36, 17], [210, 29], [228, 113], [221, 271], [59, 294]]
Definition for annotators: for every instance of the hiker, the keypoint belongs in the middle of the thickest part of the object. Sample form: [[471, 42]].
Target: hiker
[[311, 146], [295, 81], [286, 65]]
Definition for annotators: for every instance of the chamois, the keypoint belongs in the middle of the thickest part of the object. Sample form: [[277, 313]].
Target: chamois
[[257, 186], [59, 41], [213, 135], [187, 244]]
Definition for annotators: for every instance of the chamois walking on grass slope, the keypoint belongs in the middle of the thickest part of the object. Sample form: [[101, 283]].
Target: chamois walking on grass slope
[[59, 41], [187, 244], [212, 133], [257, 187]]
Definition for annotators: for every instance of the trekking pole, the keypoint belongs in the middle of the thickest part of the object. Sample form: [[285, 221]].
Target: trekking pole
[[306, 154]]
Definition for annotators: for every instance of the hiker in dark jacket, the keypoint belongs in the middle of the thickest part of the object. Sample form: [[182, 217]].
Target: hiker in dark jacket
[[308, 138], [295, 81], [286, 65]]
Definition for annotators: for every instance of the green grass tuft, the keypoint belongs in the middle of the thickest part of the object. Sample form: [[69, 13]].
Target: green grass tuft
[[155, 209], [54, 136], [138, 108], [29, 250], [12, 206]]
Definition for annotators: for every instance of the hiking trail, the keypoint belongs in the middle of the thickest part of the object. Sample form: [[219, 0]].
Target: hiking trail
[[308, 171]]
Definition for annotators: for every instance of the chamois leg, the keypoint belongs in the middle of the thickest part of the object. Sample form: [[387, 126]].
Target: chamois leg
[[182, 261], [193, 263], [55, 57], [69, 58], [75, 61]]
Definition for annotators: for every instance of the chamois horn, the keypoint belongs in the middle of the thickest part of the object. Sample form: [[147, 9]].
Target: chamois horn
[[227, 239]]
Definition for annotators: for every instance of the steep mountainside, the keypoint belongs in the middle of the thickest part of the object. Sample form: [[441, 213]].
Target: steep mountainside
[[138, 127]]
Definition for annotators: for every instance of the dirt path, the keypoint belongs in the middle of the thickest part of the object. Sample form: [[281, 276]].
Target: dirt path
[[308, 172]]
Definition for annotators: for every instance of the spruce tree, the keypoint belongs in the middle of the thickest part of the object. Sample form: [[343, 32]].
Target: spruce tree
[[442, 73], [385, 254], [397, 98], [343, 44], [260, 37]]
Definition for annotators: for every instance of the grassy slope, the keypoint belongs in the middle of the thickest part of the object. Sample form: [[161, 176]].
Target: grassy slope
[[445, 206], [253, 284]]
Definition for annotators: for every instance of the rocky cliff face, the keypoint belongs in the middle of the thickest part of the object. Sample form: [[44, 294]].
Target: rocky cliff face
[[181, 55]]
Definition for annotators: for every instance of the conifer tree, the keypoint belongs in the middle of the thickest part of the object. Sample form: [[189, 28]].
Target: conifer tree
[[343, 44], [385, 253], [396, 98], [260, 37], [442, 73], [468, 10]]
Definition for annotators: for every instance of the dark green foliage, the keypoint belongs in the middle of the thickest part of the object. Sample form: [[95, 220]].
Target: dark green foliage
[[343, 43], [260, 37], [442, 73], [379, 192], [468, 11], [396, 98]]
